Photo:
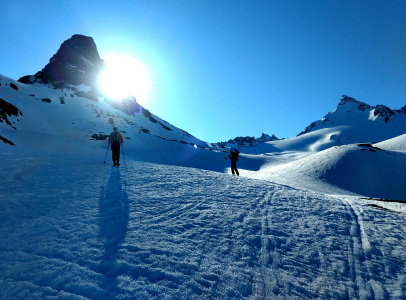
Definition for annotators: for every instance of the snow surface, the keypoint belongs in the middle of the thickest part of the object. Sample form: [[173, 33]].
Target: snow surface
[[316, 216], [348, 169], [395, 144], [75, 228]]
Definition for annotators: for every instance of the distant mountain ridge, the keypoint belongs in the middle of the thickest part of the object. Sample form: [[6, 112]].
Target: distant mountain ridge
[[247, 141]]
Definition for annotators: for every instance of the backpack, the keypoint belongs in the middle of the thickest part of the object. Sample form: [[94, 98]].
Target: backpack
[[235, 154], [114, 138]]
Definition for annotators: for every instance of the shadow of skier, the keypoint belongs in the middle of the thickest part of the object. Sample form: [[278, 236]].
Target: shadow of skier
[[113, 222]]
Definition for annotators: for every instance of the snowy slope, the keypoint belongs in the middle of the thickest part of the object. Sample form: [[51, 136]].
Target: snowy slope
[[72, 228], [360, 169], [62, 109], [90, 117], [74, 125], [396, 144], [313, 141]]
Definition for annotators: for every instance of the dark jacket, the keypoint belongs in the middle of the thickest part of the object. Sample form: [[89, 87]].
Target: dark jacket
[[234, 156]]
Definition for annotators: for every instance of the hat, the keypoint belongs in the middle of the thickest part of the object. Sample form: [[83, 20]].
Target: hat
[[114, 128]]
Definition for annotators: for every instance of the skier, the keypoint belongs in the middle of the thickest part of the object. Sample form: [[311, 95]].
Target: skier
[[116, 139], [234, 156]]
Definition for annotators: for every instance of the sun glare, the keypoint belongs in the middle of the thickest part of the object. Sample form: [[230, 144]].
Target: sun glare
[[124, 76]]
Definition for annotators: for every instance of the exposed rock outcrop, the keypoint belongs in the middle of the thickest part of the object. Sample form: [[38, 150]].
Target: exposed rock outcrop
[[383, 112], [76, 62], [8, 109]]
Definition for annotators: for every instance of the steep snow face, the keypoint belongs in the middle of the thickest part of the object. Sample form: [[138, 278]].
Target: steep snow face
[[365, 122]]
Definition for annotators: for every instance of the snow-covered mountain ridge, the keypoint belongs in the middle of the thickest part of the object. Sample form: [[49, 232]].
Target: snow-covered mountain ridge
[[352, 112], [246, 141]]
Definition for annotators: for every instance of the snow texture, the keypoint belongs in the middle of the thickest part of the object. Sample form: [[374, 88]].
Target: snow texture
[[73, 228]]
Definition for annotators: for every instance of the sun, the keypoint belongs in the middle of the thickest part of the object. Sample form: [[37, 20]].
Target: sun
[[124, 76]]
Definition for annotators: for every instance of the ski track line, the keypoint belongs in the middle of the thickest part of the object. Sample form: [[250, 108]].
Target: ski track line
[[197, 235], [371, 261], [386, 258], [263, 288], [357, 252]]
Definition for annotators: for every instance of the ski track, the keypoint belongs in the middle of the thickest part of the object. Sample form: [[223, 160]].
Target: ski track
[[71, 229]]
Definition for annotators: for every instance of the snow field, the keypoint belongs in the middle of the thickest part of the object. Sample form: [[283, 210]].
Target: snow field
[[347, 170], [395, 144], [75, 228]]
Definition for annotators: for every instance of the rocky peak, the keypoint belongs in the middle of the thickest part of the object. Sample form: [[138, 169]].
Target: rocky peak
[[346, 99], [361, 105], [76, 62], [402, 110], [266, 138]]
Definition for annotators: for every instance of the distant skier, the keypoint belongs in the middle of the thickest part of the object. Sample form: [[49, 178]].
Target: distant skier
[[234, 156], [116, 139]]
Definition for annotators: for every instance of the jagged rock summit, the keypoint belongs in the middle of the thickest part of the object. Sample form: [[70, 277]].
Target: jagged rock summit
[[352, 112], [76, 62]]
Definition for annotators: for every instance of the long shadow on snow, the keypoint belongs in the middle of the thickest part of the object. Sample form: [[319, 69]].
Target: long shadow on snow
[[113, 221]]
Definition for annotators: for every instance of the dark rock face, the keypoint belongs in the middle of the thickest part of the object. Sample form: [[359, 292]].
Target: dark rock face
[[12, 85], [76, 62], [6, 141], [266, 138], [100, 136], [383, 112], [146, 113], [308, 128], [8, 109]]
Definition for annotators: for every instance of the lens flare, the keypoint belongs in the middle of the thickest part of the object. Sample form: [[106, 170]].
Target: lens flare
[[125, 76]]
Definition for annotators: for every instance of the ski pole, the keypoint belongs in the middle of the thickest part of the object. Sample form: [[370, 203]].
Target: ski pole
[[106, 153], [123, 154]]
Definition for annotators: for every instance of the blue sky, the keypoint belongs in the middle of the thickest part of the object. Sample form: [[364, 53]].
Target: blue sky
[[221, 69]]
